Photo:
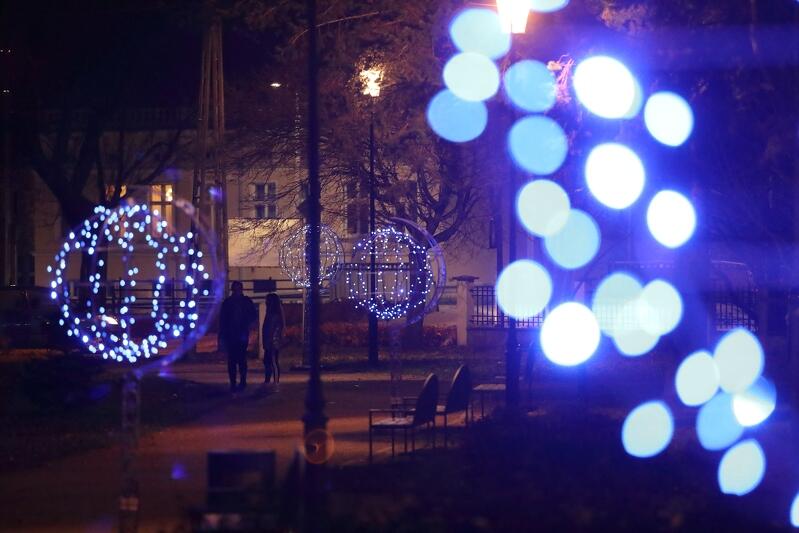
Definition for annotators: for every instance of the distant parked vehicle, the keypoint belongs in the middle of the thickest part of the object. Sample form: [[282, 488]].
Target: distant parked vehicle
[[29, 319]]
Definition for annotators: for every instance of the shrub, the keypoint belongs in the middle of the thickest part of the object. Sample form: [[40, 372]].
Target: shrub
[[356, 335]]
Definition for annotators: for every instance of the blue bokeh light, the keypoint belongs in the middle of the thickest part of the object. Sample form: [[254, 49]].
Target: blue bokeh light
[[755, 404], [742, 468], [671, 219], [795, 507], [543, 207], [530, 85], [605, 87], [538, 144], [615, 175], [480, 31], [716, 425], [455, 119], [576, 244], [611, 297], [659, 308], [570, 334], [471, 77], [647, 430], [523, 289], [697, 379], [633, 341], [548, 6], [740, 360], [669, 118]]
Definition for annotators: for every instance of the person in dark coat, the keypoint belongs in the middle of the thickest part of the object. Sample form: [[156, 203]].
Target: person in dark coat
[[236, 316], [272, 335]]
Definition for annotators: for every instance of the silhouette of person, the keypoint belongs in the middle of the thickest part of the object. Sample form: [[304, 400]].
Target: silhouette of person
[[236, 316], [272, 335]]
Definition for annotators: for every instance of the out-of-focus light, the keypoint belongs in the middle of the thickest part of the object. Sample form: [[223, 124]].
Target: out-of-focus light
[[669, 118], [570, 334], [647, 430], [742, 468], [795, 507], [605, 87], [513, 15], [671, 219], [480, 31], [755, 404], [659, 308], [454, 119], [276, 85], [716, 425], [543, 207], [370, 80], [697, 379], [610, 299], [471, 77], [538, 144], [576, 244], [523, 289], [631, 340], [530, 85], [740, 360], [548, 6], [615, 175], [638, 102]]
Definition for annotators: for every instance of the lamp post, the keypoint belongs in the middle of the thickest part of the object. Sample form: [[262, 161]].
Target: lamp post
[[371, 79]]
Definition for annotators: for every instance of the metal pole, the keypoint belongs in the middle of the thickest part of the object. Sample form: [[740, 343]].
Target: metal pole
[[373, 351]]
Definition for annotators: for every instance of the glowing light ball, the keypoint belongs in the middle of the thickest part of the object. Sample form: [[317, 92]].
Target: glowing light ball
[[632, 341], [471, 77], [795, 511], [538, 145], [615, 175], [697, 379], [530, 85], [669, 118], [605, 87], [611, 299], [523, 289], [671, 219], [716, 425], [647, 430], [480, 31], [638, 102], [293, 258], [548, 6], [756, 404], [740, 360], [576, 244], [454, 119], [659, 308], [742, 468], [570, 334], [543, 207]]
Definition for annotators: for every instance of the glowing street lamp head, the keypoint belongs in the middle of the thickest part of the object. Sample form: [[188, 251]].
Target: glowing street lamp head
[[513, 15], [371, 80]]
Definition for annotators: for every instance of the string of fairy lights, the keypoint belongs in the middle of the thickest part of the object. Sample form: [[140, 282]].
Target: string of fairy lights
[[293, 257]]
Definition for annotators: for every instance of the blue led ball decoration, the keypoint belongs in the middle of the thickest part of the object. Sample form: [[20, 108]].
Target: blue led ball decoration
[[403, 277], [111, 309], [293, 256]]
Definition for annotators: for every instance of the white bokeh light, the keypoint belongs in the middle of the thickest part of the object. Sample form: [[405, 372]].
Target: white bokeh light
[[647, 430], [543, 207], [633, 341], [668, 118], [530, 85], [471, 77], [480, 31], [576, 244], [659, 308], [615, 175], [742, 468], [610, 298], [697, 379], [671, 219], [740, 360], [605, 87], [570, 334], [755, 404], [795, 511], [523, 289]]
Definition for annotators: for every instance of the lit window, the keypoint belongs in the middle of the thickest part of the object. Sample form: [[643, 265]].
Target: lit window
[[161, 197], [357, 202], [264, 196]]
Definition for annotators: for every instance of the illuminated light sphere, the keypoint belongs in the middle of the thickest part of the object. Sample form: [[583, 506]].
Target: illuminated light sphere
[[755, 404], [523, 289], [671, 219], [669, 118], [471, 77], [740, 360], [543, 207], [576, 244], [530, 85], [611, 298], [548, 6], [659, 308], [605, 87], [742, 468], [615, 175], [570, 334], [293, 259], [454, 119], [647, 430], [697, 379], [403, 276], [795, 511], [632, 341], [480, 31], [538, 145], [716, 425]]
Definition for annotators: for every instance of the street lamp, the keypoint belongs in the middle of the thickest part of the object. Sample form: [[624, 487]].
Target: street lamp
[[371, 79], [513, 15]]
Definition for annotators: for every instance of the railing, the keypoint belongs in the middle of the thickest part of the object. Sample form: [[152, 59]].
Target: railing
[[486, 314]]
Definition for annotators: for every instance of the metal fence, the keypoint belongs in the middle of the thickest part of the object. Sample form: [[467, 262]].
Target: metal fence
[[487, 315]]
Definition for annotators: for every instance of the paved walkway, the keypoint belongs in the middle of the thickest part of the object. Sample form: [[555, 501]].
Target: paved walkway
[[80, 493]]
